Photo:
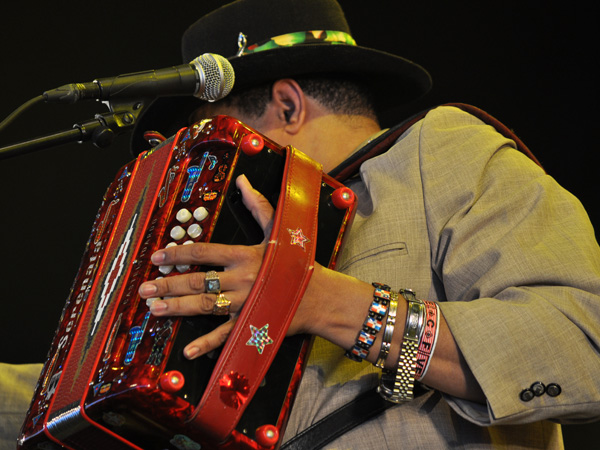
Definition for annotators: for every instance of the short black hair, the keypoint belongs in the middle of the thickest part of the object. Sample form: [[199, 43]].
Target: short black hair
[[341, 96]]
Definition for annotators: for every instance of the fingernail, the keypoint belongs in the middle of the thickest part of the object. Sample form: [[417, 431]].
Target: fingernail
[[158, 257], [151, 300], [148, 289], [158, 306], [191, 352]]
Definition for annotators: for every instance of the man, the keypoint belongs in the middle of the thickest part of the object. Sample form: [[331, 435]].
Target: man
[[451, 211]]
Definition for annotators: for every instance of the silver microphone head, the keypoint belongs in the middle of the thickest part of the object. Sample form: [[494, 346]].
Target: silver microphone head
[[216, 77]]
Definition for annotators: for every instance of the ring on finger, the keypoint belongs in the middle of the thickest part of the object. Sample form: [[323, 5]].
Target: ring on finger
[[221, 306], [212, 284]]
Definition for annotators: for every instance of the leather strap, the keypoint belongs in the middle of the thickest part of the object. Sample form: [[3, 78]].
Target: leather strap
[[286, 269], [361, 409], [348, 168], [499, 126]]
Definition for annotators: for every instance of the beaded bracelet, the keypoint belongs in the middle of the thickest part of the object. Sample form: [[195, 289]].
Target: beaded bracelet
[[403, 379], [386, 340], [428, 339], [372, 324]]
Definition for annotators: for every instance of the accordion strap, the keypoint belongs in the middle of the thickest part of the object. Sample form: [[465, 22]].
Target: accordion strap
[[382, 143], [340, 421], [263, 322]]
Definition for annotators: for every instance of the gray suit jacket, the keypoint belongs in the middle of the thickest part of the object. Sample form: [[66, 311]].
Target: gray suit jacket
[[455, 213]]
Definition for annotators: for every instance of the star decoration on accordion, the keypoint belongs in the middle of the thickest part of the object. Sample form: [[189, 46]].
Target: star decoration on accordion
[[260, 338], [298, 237]]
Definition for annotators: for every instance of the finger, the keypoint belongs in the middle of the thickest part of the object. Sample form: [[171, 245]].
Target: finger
[[186, 284], [210, 341], [190, 305], [187, 305], [205, 253], [257, 204]]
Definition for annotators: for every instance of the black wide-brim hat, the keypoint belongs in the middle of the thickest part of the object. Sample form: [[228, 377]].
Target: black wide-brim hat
[[285, 39]]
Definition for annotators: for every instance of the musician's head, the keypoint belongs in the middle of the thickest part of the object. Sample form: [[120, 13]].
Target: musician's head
[[324, 118], [309, 42]]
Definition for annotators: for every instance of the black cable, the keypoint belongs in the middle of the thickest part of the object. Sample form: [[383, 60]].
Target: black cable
[[17, 112]]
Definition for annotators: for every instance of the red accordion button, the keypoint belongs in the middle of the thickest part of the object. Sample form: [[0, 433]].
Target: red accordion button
[[267, 435], [154, 138], [252, 144], [171, 381], [342, 198]]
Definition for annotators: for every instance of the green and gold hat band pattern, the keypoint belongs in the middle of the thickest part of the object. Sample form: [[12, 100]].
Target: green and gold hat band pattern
[[297, 38]]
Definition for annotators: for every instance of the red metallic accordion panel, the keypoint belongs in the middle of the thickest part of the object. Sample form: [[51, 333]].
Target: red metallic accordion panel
[[115, 375]]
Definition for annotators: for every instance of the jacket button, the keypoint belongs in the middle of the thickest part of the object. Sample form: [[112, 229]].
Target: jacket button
[[526, 395], [538, 388], [553, 390]]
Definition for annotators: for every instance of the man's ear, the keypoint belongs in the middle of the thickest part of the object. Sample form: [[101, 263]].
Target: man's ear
[[289, 102]]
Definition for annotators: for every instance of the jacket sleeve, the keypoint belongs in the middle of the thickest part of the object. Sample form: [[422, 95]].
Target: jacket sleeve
[[517, 271]]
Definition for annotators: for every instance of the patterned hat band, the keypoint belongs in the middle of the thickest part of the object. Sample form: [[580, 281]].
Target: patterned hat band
[[297, 38]]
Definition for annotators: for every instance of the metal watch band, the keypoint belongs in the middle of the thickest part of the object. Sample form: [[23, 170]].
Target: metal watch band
[[402, 380], [390, 323]]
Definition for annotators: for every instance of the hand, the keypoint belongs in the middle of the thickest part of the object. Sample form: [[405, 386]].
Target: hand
[[333, 306], [186, 292]]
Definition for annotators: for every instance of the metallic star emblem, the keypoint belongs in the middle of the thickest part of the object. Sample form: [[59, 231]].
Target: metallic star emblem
[[298, 237], [260, 338]]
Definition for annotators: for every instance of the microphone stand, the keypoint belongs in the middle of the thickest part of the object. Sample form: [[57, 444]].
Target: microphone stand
[[100, 130]]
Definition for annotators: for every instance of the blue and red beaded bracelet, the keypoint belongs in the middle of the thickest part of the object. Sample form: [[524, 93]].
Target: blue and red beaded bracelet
[[372, 324]]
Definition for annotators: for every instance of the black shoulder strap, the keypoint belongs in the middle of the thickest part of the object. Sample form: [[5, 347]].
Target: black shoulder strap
[[383, 142], [499, 126], [359, 410]]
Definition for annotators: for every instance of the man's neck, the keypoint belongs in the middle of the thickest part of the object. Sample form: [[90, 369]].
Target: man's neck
[[330, 139]]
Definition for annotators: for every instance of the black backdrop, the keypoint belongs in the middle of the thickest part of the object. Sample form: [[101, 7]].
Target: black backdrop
[[525, 62]]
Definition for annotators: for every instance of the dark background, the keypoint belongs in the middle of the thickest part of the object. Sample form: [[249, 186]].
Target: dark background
[[525, 62]]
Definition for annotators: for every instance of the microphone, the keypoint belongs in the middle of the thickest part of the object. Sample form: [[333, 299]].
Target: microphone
[[209, 77]]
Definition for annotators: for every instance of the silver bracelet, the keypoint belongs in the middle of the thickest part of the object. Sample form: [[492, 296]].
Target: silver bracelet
[[402, 380], [390, 323]]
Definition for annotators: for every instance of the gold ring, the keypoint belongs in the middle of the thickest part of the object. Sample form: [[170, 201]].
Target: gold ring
[[221, 307]]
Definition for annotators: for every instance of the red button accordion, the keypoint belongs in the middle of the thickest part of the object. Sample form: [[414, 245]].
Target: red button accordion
[[116, 377]]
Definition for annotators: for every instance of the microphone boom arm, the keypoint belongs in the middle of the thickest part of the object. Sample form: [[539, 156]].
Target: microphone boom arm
[[100, 130]]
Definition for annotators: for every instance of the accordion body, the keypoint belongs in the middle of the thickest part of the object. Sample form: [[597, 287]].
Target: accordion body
[[115, 376]]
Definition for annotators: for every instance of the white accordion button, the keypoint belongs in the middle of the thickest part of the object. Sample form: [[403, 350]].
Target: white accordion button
[[183, 215], [177, 233], [165, 270], [194, 230], [200, 213]]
